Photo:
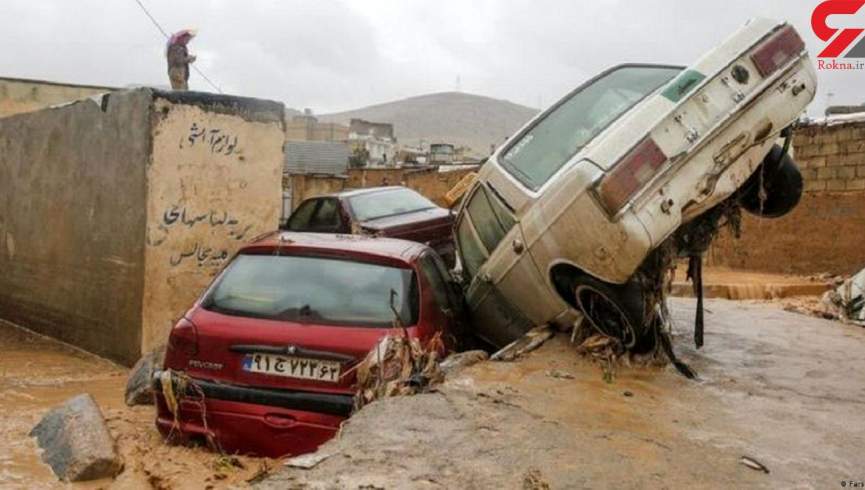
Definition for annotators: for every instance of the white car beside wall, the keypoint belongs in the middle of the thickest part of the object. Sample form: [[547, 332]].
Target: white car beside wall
[[561, 217]]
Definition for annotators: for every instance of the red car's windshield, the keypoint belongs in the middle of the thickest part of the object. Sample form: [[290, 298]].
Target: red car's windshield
[[315, 290], [374, 205]]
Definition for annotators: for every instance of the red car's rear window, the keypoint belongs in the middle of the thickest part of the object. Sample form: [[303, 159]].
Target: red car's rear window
[[324, 291]]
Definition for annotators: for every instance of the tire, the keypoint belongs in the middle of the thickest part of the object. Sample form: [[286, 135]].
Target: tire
[[782, 182], [613, 310]]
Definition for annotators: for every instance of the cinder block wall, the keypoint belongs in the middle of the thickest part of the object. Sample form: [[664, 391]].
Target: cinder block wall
[[115, 216], [832, 158], [825, 232]]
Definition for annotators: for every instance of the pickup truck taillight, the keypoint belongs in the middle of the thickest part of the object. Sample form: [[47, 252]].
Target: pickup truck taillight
[[184, 338], [629, 175], [777, 51]]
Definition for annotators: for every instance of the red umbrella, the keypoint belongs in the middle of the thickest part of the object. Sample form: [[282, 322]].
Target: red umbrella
[[181, 37]]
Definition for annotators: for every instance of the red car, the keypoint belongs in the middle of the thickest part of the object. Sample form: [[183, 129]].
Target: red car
[[394, 211], [268, 345]]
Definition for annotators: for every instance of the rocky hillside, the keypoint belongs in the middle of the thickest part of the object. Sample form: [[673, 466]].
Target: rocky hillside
[[449, 117]]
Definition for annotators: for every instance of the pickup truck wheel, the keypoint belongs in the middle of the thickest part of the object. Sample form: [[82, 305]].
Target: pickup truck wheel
[[782, 183], [613, 310]]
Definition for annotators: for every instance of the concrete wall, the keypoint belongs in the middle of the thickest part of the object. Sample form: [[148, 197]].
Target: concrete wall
[[20, 95], [308, 128], [213, 184], [72, 188], [825, 233], [304, 186], [115, 216]]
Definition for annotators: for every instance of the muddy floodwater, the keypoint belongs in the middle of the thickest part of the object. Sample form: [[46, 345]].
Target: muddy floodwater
[[37, 374], [785, 389]]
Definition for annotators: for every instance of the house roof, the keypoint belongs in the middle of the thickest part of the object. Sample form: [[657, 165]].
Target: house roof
[[319, 157]]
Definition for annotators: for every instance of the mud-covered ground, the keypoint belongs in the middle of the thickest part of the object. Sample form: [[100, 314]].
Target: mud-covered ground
[[784, 389], [37, 374]]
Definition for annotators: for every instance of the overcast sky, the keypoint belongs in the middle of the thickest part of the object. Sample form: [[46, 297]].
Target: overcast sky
[[335, 55]]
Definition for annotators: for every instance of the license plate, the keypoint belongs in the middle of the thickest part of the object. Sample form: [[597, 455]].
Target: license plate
[[292, 367]]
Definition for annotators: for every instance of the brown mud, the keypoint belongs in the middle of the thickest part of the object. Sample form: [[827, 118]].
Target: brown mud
[[726, 283], [37, 374], [782, 389]]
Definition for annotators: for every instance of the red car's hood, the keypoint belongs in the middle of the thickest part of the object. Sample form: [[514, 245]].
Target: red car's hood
[[410, 223]]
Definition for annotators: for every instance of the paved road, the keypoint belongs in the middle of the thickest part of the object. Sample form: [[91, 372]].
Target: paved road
[[785, 389]]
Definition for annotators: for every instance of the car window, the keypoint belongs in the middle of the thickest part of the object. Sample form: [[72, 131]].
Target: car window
[[314, 290], [326, 217], [299, 220], [470, 251], [434, 277], [491, 220], [391, 202], [553, 140]]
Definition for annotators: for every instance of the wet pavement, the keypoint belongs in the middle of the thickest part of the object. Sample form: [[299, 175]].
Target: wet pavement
[[784, 389]]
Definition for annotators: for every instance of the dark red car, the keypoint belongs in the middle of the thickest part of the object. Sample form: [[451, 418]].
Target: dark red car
[[396, 212], [268, 345]]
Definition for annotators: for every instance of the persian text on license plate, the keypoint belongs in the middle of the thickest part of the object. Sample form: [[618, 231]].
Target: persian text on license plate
[[292, 367]]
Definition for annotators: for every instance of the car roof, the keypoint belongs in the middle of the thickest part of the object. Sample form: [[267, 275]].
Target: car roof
[[366, 190], [348, 246]]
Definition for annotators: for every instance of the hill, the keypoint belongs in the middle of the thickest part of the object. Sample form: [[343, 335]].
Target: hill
[[448, 117]]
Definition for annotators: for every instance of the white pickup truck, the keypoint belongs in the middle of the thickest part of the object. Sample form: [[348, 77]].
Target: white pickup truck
[[563, 215]]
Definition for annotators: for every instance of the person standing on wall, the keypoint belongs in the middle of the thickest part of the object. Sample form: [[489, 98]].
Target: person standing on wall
[[179, 59]]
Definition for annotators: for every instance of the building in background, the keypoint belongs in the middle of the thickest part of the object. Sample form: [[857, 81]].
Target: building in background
[[411, 156], [312, 158], [316, 157], [306, 127], [19, 95], [441, 154], [374, 138]]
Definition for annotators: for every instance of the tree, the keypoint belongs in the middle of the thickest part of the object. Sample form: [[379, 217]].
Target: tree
[[358, 158]]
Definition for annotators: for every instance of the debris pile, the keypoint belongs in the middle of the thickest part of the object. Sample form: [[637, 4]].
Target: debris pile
[[397, 366], [609, 353], [527, 343], [459, 360], [176, 387], [847, 301]]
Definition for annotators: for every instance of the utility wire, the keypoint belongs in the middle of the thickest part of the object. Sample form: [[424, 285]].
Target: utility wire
[[156, 23]]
